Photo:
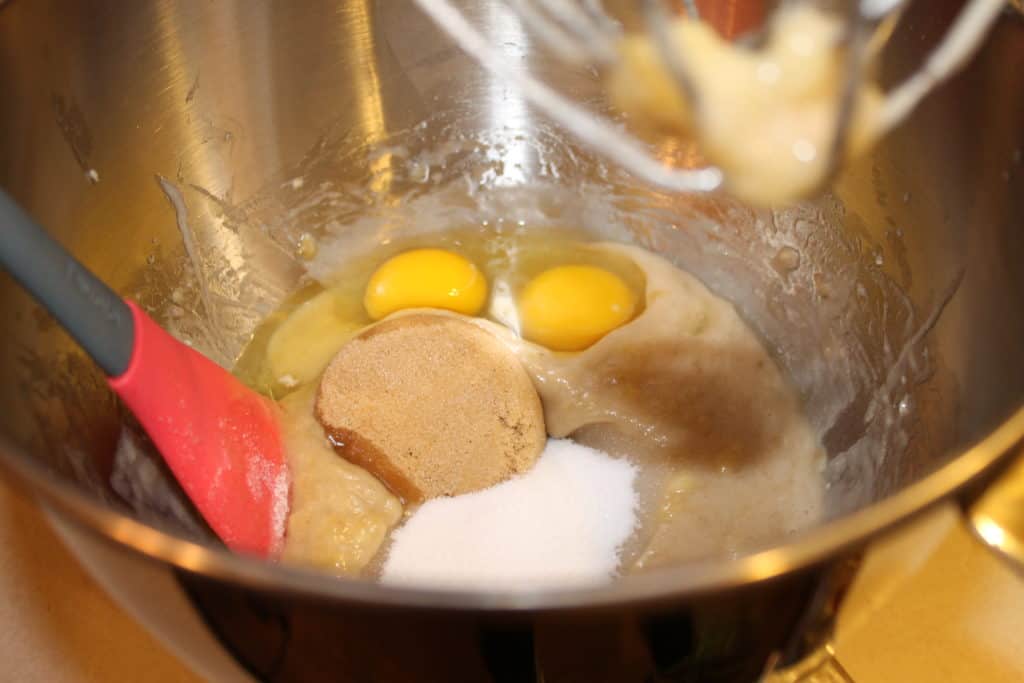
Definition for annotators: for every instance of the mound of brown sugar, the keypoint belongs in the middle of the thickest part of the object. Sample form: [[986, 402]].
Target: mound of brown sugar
[[432, 405]]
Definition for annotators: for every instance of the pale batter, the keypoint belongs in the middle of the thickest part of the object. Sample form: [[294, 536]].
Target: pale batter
[[726, 460], [340, 514], [687, 390]]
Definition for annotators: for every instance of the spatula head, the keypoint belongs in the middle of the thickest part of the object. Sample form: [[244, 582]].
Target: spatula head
[[221, 439]]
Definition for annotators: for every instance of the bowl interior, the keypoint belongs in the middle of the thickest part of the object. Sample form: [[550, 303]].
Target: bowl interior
[[184, 166]]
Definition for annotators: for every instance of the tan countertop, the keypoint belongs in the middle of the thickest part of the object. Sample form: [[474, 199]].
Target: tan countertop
[[930, 606], [58, 626]]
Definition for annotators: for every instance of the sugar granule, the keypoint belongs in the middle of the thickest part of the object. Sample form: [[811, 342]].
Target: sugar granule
[[560, 524]]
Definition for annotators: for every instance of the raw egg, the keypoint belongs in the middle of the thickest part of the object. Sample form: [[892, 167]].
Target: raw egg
[[425, 278], [568, 308]]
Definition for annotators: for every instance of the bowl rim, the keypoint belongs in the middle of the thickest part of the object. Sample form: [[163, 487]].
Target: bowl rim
[[802, 551]]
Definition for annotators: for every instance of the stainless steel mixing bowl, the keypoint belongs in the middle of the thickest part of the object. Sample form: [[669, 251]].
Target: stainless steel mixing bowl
[[181, 148]]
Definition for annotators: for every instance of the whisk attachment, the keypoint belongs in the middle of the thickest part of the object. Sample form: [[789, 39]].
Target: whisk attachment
[[577, 33], [957, 47], [581, 32], [859, 24], [658, 21], [598, 133]]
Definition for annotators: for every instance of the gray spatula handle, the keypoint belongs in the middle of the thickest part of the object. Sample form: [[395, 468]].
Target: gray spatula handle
[[88, 309]]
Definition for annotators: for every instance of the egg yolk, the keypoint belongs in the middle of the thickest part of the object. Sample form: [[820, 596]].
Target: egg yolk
[[568, 308], [425, 278]]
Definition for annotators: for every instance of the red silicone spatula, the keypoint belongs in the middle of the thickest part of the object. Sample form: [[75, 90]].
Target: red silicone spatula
[[221, 439]]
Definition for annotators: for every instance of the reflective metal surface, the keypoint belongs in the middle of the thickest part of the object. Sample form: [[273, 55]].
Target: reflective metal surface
[[163, 142], [997, 518]]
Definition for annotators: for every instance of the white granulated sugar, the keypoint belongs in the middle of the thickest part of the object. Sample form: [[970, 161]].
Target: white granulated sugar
[[263, 477], [560, 524], [279, 513]]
